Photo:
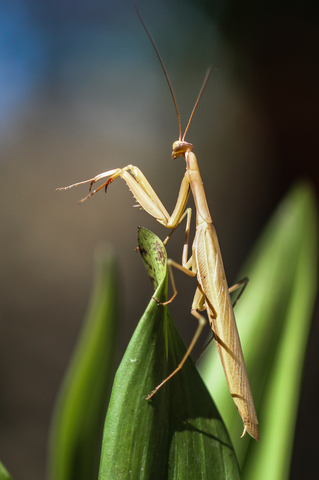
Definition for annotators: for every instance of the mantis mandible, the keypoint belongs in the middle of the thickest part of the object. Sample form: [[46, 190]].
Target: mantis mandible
[[212, 293]]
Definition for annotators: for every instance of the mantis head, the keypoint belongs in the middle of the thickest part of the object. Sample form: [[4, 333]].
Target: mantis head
[[180, 147]]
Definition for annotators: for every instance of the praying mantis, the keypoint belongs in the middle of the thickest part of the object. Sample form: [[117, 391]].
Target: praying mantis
[[212, 292]]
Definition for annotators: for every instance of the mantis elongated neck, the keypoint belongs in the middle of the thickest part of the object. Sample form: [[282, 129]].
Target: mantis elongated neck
[[197, 188]]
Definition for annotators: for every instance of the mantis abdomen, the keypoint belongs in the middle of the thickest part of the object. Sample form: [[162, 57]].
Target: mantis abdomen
[[212, 282]]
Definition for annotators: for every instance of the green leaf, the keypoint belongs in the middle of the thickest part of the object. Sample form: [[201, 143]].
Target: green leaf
[[274, 317], [178, 434], [4, 474], [79, 415]]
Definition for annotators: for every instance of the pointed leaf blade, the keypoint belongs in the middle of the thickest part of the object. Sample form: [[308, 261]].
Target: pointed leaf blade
[[178, 434]]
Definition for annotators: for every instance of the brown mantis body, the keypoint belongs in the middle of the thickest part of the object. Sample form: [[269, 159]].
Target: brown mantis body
[[212, 293]]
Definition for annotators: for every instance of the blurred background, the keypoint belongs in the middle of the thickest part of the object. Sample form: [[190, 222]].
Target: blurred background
[[81, 92]]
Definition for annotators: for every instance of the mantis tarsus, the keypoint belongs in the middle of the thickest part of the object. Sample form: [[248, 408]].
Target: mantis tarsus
[[212, 293]]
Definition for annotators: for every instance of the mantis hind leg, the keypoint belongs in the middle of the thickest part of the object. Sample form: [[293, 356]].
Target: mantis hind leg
[[242, 284], [197, 303]]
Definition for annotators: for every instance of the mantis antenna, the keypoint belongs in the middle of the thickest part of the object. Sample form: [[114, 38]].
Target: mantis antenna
[[170, 85], [198, 99], [164, 70]]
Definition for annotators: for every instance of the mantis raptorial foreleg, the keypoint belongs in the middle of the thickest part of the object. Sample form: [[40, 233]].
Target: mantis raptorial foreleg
[[144, 194]]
